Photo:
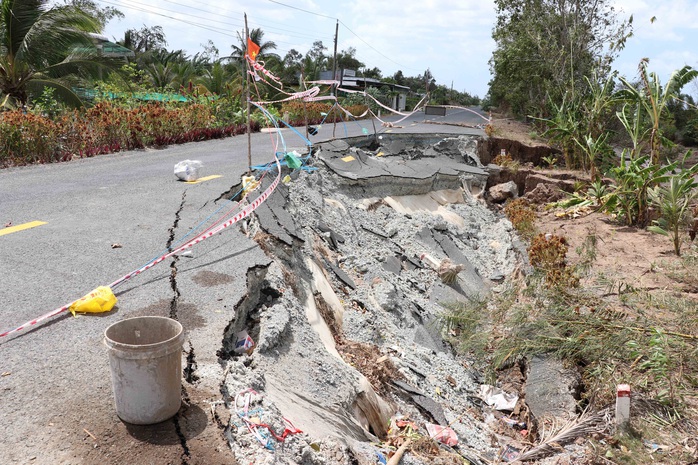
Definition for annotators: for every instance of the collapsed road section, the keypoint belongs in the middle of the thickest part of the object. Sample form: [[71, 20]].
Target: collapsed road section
[[338, 344]]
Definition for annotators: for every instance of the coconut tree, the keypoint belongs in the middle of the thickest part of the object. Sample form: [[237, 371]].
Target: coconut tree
[[256, 36], [42, 46]]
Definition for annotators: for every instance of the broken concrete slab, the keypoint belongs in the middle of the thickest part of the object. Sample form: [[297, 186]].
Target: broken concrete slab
[[551, 388], [469, 277], [392, 264], [393, 307], [277, 205], [423, 174], [433, 203], [273, 217], [269, 223], [424, 402], [337, 145], [466, 147], [342, 275]]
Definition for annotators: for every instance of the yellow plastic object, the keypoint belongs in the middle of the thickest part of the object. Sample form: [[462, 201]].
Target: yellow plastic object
[[249, 183], [100, 300]]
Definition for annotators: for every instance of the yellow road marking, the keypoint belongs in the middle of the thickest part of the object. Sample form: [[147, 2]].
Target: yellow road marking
[[348, 159], [21, 227], [205, 178]]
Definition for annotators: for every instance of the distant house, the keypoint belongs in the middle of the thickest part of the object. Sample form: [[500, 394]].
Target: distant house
[[110, 49], [349, 80]]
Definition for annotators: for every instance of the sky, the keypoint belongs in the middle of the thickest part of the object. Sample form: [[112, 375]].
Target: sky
[[452, 38]]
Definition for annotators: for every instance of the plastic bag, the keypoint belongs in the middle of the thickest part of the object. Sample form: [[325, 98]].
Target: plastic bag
[[292, 160], [100, 300], [188, 170], [443, 434], [249, 183]]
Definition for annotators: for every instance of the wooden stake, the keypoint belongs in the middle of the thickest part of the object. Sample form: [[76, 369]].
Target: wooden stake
[[334, 87], [247, 98], [395, 459]]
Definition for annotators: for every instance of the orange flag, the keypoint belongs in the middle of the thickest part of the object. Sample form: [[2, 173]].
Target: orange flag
[[252, 49]]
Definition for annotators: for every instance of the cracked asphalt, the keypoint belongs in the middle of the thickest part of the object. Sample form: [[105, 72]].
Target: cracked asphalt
[[55, 388]]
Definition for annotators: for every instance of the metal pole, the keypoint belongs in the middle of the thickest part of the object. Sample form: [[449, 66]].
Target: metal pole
[[247, 98]]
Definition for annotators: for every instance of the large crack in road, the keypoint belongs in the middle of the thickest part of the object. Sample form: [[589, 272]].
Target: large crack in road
[[346, 276]]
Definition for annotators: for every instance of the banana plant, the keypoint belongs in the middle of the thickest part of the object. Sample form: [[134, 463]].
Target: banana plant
[[652, 101], [633, 178], [674, 200]]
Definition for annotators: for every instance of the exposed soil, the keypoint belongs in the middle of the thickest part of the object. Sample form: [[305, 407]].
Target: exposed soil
[[627, 260], [624, 254]]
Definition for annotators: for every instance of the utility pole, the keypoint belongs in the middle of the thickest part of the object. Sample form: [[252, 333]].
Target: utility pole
[[427, 74], [334, 60], [247, 98], [333, 89]]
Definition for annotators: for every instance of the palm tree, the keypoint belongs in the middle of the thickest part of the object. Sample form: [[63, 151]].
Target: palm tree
[[42, 46], [256, 36]]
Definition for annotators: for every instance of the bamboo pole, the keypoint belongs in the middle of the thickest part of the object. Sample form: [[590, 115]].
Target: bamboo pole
[[395, 459], [247, 98]]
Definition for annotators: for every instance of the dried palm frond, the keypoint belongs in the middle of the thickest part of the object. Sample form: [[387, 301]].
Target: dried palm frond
[[554, 438]]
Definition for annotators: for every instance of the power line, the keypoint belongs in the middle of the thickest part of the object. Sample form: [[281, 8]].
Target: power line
[[209, 28], [262, 24], [372, 47], [130, 4], [304, 11], [347, 27], [154, 10]]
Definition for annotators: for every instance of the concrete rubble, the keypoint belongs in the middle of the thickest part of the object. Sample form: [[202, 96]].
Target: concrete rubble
[[350, 246]]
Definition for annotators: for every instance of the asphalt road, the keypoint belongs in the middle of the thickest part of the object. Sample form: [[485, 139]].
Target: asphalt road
[[55, 381]]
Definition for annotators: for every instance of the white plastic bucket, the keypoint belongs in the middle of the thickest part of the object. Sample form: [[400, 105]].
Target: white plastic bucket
[[145, 355]]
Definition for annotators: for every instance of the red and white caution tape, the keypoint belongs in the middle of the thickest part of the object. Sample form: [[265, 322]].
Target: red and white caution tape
[[258, 65], [200, 238]]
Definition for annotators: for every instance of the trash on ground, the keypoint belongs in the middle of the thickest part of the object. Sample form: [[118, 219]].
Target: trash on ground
[[659, 448], [510, 453], [249, 183], [497, 398], [116, 245], [99, 300], [430, 261], [448, 271], [243, 343], [293, 160], [248, 407], [517, 425], [188, 170], [443, 434]]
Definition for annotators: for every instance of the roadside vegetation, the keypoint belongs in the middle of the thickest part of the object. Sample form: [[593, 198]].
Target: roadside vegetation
[[629, 141], [62, 98]]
